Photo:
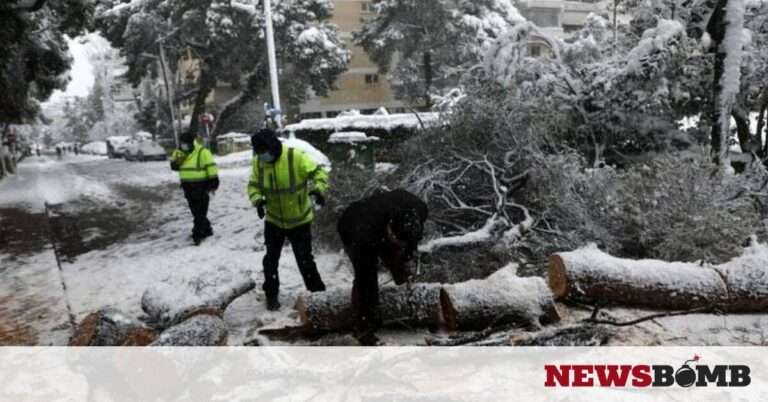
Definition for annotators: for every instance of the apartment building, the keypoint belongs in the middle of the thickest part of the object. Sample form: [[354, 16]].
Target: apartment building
[[556, 18], [361, 87]]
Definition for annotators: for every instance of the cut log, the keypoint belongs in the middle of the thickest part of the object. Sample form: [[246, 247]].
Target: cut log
[[746, 278], [110, 327], [417, 306], [503, 298], [592, 276], [169, 303], [200, 330]]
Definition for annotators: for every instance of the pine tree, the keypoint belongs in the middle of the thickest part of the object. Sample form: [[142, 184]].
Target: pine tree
[[435, 40]]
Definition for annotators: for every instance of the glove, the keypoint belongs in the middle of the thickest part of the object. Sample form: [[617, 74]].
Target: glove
[[260, 209], [318, 198]]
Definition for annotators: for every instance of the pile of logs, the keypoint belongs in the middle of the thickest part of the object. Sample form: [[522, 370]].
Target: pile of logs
[[189, 313], [501, 299], [184, 313]]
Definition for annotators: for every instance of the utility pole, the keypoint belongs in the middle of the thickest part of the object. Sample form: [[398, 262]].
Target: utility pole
[[273, 64]]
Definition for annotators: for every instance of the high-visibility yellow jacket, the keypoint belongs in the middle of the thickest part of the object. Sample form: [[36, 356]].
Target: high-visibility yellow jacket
[[285, 185], [197, 166]]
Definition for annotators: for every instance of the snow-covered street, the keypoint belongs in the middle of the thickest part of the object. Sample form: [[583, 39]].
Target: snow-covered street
[[119, 228]]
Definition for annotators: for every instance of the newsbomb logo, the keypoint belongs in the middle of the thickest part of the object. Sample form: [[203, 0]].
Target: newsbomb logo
[[646, 375]]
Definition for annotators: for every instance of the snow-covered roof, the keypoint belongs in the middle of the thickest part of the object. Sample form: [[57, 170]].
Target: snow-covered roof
[[233, 136], [308, 149], [118, 139], [350, 137], [143, 135], [360, 122]]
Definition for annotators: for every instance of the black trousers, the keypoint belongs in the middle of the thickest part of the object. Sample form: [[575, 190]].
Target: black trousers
[[301, 242], [365, 290], [198, 200]]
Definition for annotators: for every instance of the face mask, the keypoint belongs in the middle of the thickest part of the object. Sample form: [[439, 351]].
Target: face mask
[[186, 147], [267, 157]]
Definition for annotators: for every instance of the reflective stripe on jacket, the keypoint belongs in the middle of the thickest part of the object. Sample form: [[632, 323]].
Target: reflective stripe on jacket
[[285, 186], [197, 166]]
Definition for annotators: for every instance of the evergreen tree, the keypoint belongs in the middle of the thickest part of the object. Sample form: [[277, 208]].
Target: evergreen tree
[[436, 41]]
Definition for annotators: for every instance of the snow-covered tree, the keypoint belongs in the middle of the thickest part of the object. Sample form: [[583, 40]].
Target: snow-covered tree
[[432, 42], [617, 101], [226, 39], [34, 54], [753, 95]]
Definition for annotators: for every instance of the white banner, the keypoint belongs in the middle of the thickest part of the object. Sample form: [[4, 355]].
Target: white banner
[[384, 374]]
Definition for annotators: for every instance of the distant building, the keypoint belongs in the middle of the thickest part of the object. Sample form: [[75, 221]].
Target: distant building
[[556, 18], [361, 87]]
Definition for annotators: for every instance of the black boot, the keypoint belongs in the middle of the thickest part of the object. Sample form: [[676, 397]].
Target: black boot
[[273, 303]]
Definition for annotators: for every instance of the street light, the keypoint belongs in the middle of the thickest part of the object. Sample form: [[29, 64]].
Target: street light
[[272, 63]]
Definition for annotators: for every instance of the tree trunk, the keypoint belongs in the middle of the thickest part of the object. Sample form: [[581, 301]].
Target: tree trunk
[[716, 29], [761, 123], [206, 84], [332, 310], [167, 304], [200, 330], [591, 276], [746, 140], [746, 279], [501, 299], [427, 79]]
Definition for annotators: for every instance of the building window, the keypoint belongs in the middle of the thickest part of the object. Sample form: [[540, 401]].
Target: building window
[[535, 51], [544, 17], [367, 7], [371, 79]]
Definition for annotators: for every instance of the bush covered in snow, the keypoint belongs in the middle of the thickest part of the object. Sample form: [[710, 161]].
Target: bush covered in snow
[[675, 207]]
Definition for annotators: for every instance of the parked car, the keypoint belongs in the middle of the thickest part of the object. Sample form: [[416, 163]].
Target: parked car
[[116, 145], [144, 150]]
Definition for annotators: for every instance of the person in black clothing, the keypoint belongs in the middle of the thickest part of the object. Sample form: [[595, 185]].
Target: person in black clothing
[[384, 227], [199, 178]]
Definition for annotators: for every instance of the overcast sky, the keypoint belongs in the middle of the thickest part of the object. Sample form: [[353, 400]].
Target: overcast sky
[[81, 73]]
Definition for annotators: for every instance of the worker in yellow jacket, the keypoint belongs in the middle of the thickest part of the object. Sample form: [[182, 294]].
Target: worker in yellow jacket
[[283, 185], [199, 178]]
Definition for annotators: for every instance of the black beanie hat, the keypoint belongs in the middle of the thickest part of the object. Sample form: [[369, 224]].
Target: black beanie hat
[[266, 140], [187, 138]]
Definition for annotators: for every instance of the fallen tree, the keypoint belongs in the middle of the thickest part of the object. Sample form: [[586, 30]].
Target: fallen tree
[[417, 306], [200, 330], [110, 327], [170, 303], [502, 298], [592, 276]]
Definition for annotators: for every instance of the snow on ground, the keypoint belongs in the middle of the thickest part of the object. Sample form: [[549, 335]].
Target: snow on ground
[[41, 180], [158, 248]]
